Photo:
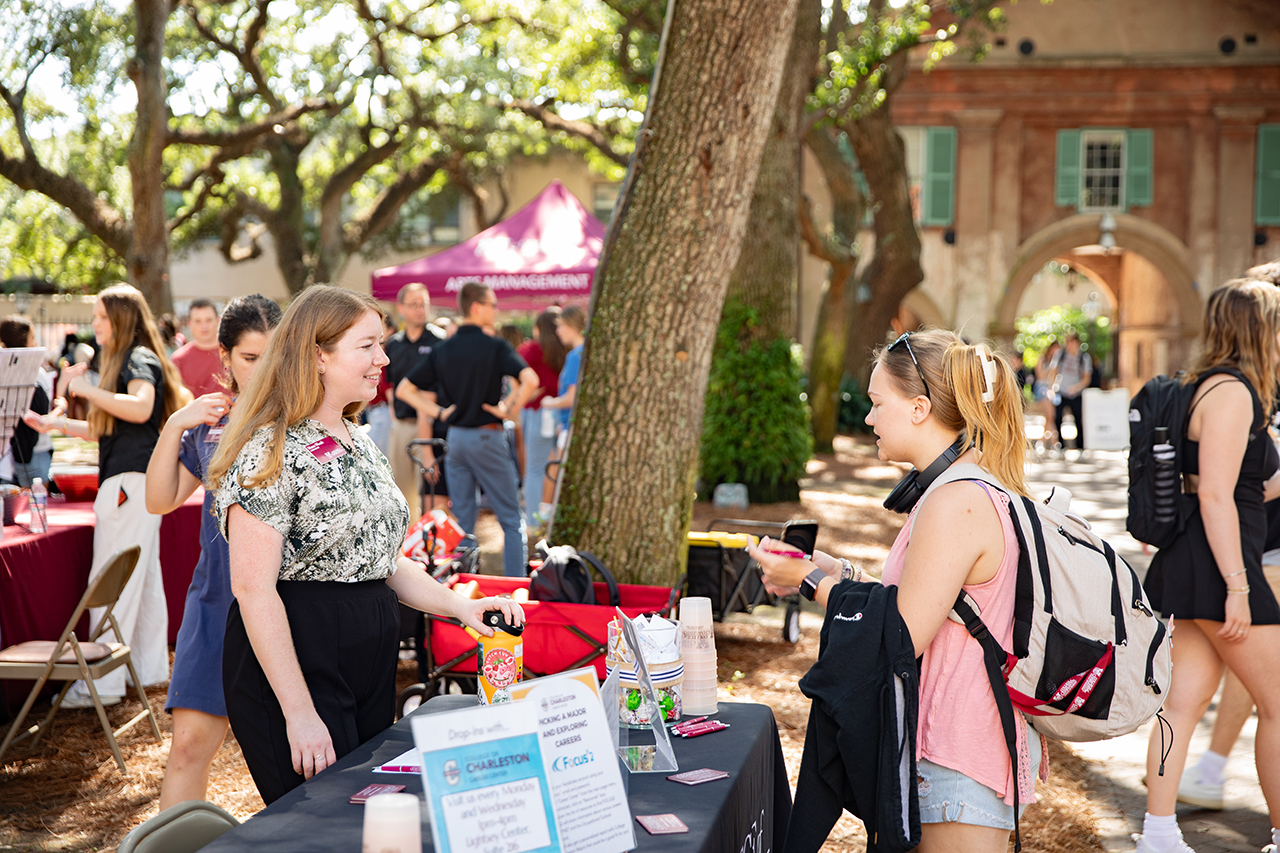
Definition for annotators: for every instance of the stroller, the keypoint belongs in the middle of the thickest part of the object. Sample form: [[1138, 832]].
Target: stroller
[[558, 636], [465, 557]]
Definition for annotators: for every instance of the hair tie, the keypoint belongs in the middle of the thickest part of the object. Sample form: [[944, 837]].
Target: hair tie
[[988, 373]]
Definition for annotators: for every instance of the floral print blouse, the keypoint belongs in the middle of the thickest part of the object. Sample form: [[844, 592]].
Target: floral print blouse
[[342, 520]]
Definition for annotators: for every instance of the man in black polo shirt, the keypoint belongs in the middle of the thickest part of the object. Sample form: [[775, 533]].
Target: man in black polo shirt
[[407, 349], [462, 378]]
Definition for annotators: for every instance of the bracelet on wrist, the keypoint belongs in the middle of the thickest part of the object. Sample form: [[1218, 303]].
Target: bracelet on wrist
[[1233, 574], [1244, 590]]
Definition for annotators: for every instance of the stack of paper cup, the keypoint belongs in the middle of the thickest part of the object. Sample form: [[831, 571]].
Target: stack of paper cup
[[699, 642], [392, 824]]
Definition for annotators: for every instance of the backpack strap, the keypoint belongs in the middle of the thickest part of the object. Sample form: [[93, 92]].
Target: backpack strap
[[605, 575], [994, 659]]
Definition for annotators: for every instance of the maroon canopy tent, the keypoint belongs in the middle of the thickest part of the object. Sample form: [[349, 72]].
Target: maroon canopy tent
[[543, 253]]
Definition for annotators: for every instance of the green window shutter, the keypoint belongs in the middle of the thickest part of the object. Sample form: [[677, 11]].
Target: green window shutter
[[1137, 174], [939, 189], [1267, 196], [1067, 177]]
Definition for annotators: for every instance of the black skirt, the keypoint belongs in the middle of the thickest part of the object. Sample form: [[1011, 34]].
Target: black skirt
[[346, 636], [1184, 580]]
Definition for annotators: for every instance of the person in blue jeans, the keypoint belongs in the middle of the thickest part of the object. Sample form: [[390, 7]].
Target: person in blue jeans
[[572, 333], [464, 375], [545, 354]]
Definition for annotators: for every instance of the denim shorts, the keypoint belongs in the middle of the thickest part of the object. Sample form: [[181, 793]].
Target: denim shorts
[[949, 796]]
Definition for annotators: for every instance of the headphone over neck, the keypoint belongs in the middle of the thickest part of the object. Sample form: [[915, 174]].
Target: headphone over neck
[[910, 488]]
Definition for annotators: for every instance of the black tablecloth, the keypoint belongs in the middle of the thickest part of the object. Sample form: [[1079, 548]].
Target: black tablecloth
[[748, 811]]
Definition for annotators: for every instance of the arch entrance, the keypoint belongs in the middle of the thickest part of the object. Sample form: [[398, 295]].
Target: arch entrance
[[1148, 275]]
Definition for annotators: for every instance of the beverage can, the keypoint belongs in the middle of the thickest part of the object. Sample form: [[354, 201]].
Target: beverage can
[[501, 665]]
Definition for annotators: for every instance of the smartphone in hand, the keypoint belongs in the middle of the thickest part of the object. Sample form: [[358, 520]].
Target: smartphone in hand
[[801, 535]]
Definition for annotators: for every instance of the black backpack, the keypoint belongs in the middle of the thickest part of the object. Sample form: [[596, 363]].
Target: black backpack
[[565, 575], [1158, 414]]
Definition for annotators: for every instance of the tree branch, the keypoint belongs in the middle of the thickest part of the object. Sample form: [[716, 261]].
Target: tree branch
[[242, 206], [645, 15], [479, 195], [332, 232], [366, 13], [98, 217], [250, 132], [247, 57], [383, 211], [821, 246], [552, 120]]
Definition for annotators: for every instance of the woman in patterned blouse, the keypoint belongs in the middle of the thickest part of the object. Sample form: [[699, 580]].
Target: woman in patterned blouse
[[315, 524]]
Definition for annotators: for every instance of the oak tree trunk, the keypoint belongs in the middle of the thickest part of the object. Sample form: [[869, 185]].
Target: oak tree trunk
[[894, 269], [839, 249], [768, 267], [148, 254], [627, 492]]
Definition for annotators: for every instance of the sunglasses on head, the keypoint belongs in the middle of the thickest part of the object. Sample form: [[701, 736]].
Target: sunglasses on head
[[905, 340]]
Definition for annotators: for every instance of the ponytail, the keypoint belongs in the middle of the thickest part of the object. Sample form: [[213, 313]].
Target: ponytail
[[970, 390], [990, 405]]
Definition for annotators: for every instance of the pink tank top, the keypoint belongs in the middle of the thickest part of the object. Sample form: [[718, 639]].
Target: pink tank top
[[959, 724]]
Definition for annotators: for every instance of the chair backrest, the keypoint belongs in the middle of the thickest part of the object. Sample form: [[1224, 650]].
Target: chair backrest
[[183, 828], [104, 591]]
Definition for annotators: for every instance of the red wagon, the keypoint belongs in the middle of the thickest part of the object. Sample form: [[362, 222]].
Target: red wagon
[[557, 636]]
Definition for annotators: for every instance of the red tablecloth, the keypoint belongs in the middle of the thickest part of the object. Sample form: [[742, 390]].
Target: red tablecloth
[[43, 576]]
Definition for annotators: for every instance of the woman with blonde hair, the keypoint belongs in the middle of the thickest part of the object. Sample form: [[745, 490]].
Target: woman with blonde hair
[[1210, 579], [936, 401], [138, 389], [314, 524]]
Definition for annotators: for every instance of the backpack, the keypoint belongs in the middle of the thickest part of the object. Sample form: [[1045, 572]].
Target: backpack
[[1090, 660], [1158, 515], [565, 576]]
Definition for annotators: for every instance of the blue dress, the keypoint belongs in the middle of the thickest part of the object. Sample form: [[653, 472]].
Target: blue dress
[[197, 659]]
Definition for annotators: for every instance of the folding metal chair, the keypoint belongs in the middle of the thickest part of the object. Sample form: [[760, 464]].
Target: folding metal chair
[[184, 828], [68, 659]]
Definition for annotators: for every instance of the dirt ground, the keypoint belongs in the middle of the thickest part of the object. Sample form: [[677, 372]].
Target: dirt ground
[[68, 795]]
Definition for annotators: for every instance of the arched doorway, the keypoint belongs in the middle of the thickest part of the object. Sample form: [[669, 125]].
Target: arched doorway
[[1148, 271]]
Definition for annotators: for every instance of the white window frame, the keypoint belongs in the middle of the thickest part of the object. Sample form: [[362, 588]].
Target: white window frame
[[1086, 137]]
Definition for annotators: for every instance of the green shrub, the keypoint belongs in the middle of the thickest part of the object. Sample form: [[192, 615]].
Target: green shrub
[[854, 405], [755, 429]]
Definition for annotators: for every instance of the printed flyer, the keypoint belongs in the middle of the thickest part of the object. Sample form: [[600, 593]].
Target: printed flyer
[[585, 780], [485, 781], [536, 774]]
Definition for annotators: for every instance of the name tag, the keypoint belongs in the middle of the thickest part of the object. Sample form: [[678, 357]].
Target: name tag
[[326, 449], [215, 432]]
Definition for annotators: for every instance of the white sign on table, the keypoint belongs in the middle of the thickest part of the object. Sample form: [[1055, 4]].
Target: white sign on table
[[534, 775], [1106, 418]]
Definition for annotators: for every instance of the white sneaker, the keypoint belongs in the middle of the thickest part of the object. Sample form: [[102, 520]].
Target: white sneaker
[[1145, 846], [78, 697], [1194, 791]]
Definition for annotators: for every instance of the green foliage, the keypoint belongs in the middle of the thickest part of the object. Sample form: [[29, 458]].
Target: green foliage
[[854, 406], [755, 429], [1042, 328], [856, 57], [434, 82]]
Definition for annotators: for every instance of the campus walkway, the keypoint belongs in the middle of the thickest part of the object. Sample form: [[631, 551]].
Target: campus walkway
[[1098, 486]]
